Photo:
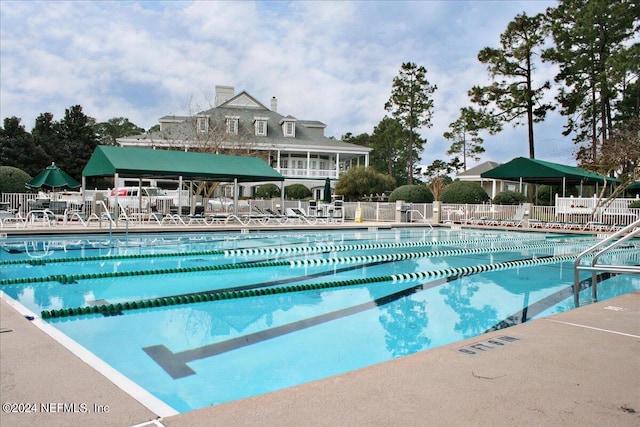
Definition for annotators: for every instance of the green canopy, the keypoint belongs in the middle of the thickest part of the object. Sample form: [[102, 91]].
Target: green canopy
[[542, 172], [150, 163], [52, 177]]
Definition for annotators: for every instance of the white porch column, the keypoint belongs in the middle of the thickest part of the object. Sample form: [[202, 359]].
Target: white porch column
[[337, 165], [84, 196], [308, 164], [281, 198], [115, 198], [235, 196], [180, 195]]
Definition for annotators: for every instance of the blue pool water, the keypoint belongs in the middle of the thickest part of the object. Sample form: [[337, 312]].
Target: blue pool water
[[196, 354]]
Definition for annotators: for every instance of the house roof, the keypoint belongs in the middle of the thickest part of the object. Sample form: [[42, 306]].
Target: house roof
[[477, 170], [149, 163], [308, 133], [542, 172]]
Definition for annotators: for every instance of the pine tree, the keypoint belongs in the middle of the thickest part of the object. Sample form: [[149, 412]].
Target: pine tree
[[514, 98], [464, 133], [411, 104], [596, 61]]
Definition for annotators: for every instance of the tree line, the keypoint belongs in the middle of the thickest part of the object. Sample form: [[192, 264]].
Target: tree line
[[69, 142], [593, 43]]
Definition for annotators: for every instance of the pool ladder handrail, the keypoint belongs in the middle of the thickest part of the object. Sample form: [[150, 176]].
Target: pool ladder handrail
[[423, 219], [611, 242]]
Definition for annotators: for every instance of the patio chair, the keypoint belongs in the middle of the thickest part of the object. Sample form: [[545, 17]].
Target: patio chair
[[517, 219], [277, 216], [7, 218], [198, 216], [264, 216], [301, 216]]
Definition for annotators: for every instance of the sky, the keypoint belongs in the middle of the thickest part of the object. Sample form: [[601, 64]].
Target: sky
[[332, 61]]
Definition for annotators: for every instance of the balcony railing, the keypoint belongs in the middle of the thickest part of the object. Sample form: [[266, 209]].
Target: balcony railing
[[307, 173]]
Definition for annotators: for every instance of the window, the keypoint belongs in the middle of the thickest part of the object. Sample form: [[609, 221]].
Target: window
[[261, 126], [288, 126], [232, 125], [203, 124], [289, 129]]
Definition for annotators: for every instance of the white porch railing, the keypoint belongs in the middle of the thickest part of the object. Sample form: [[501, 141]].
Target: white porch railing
[[307, 173]]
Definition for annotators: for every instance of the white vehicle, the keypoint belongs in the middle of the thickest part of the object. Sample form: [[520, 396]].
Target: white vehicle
[[225, 204], [145, 198]]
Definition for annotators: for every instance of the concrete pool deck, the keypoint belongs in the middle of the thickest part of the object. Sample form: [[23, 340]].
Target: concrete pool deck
[[580, 367]]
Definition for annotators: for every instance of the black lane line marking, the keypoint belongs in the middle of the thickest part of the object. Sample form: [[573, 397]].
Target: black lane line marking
[[538, 307], [280, 281], [175, 364]]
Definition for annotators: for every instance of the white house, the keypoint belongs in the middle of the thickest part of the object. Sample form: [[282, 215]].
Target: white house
[[491, 186], [239, 124]]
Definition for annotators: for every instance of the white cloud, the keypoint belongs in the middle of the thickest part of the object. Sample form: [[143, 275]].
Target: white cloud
[[323, 60]]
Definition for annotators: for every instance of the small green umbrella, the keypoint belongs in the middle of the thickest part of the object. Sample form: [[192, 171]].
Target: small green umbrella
[[327, 191], [52, 177]]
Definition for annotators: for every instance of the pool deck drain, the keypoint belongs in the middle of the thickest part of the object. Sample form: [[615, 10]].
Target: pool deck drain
[[580, 367]]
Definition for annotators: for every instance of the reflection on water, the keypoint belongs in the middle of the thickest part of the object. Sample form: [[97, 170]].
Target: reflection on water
[[405, 322], [473, 321]]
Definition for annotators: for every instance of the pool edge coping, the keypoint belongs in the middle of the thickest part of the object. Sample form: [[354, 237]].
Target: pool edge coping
[[138, 393]]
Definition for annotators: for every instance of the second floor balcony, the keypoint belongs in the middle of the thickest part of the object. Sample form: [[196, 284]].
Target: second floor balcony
[[308, 173]]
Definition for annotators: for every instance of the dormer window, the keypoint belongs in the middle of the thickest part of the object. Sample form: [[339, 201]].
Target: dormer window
[[232, 124], [202, 124], [260, 124], [288, 127]]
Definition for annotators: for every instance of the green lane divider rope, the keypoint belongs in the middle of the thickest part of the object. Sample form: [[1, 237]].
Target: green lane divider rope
[[411, 255], [259, 251], [366, 246], [66, 279], [277, 250], [465, 271], [215, 296], [109, 257]]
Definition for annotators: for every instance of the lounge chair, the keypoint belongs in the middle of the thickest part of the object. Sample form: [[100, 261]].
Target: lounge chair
[[277, 216], [265, 216], [300, 215], [516, 221], [7, 218], [198, 216]]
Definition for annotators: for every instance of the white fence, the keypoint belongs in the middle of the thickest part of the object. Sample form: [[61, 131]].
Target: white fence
[[568, 213]]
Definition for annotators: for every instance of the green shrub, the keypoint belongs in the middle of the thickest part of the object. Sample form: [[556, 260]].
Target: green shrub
[[546, 195], [297, 192], [634, 205], [509, 198], [359, 181], [412, 193], [268, 191], [12, 180], [464, 192]]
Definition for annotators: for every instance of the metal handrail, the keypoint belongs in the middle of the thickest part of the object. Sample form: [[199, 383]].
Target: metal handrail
[[424, 220], [614, 240]]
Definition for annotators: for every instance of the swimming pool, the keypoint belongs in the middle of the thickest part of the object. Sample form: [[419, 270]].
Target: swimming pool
[[201, 319]]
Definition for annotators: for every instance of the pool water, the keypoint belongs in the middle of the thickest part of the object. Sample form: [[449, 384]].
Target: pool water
[[372, 295]]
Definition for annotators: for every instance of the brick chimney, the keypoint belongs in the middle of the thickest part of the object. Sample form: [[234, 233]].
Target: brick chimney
[[223, 94]]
